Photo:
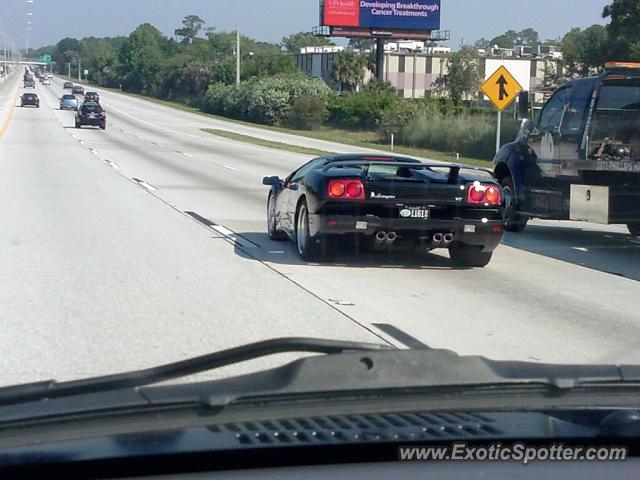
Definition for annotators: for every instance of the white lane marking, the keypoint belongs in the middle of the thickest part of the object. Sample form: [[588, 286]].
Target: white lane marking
[[94, 151], [232, 236], [146, 186], [187, 155], [224, 231], [580, 249], [342, 303], [112, 164], [276, 252], [230, 168]]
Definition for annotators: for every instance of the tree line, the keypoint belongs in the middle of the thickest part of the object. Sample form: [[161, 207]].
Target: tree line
[[176, 67]]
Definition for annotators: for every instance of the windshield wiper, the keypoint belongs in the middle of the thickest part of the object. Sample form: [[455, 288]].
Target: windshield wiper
[[52, 389]]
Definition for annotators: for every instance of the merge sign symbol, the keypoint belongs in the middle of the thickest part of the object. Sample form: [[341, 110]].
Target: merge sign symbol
[[502, 88]]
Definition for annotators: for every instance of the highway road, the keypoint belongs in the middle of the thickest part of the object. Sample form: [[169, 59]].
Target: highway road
[[146, 243]]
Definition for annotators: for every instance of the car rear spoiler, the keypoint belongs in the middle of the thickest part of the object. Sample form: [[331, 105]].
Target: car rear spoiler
[[454, 168]]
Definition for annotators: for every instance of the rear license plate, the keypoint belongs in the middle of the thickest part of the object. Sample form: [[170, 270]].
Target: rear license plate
[[415, 212]]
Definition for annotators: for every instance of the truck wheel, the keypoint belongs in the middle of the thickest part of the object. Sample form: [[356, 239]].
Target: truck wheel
[[307, 246], [634, 229], [513, 222], [469, 256]]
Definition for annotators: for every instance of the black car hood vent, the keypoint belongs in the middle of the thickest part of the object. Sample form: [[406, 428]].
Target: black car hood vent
[[366, 428]]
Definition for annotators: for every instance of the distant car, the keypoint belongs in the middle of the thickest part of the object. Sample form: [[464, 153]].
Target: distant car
[[30, 99], [67, 85], [30, 83], [92, 114], [68, 102], [92, 97], [50, 76], [46, 81], [385, 201], [78, 90]]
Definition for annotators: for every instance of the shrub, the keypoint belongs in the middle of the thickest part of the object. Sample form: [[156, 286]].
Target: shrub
[[308, 112], [361, 110], [265, 100], [395, 118], [469, 135]]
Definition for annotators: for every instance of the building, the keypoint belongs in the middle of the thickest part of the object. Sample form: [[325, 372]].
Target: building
[[415, 74]]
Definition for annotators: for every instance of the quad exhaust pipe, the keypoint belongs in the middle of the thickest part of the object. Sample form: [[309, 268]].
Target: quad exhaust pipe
[[439, 239], [385, 239]]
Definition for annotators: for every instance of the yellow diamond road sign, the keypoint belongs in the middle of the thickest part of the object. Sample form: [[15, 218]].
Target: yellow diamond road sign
[[501, 88]]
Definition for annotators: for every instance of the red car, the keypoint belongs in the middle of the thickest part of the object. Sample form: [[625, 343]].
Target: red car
[[30, 99]]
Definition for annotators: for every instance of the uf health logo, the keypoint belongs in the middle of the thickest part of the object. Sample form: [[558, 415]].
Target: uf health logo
[[342, 13]]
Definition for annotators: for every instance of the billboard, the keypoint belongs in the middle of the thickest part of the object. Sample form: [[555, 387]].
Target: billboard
[[405, 15]]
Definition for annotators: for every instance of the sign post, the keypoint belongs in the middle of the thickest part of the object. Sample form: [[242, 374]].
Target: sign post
[[502, 89]]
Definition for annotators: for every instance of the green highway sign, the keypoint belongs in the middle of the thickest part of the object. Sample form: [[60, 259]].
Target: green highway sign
[[45, 58]]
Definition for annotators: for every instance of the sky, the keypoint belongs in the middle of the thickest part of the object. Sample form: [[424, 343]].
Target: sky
[[270, 20]]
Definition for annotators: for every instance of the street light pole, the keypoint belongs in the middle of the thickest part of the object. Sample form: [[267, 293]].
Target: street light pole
[[238, 55]]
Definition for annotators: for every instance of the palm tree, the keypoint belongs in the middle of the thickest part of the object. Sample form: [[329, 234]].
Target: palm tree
[[349, 70]]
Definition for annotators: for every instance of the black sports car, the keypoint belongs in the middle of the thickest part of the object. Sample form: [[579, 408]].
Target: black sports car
[[384, 201]]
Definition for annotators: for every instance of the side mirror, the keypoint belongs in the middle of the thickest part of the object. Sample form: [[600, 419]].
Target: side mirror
[[527, 127], [523, 106], [272, 181]]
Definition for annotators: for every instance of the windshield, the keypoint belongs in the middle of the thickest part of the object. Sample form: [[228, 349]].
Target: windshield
[[197, 210], [91, 108]]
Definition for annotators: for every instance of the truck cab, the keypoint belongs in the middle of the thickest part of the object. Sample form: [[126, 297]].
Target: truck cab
[[580, 158]]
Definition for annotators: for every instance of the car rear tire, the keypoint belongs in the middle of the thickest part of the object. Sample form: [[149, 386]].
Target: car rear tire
[[634, 229], [469, 256], [512, 221], [274, 233], [103, 126], [307, 245]]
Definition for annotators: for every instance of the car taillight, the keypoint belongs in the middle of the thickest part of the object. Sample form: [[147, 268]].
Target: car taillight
[[486, 194], [346, 189]]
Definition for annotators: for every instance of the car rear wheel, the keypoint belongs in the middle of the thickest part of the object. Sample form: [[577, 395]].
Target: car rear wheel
[[469, 256], [103, 125], [634, 229], [272, 220], [307, 246], [513, 222]]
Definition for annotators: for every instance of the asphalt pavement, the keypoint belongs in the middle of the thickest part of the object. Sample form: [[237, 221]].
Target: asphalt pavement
[[146, 243]]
